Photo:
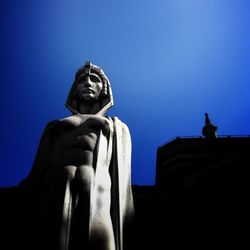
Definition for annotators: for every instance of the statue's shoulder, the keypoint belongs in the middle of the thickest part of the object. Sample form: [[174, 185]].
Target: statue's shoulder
[[120, 123], [57, 126], [51, 124]]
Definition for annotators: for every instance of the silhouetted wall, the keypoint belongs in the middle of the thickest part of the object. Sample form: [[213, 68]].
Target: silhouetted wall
[[202, 188]]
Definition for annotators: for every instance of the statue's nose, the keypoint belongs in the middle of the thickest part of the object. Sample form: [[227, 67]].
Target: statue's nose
[[88, 82]]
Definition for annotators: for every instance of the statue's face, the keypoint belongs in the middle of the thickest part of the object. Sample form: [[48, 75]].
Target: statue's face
[[89, 87]]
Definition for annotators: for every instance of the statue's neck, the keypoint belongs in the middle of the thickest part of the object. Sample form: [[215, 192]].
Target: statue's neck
[[89, 108]]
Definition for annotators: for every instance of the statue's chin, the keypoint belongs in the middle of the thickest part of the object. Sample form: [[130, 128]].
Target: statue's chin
[[88, 99]]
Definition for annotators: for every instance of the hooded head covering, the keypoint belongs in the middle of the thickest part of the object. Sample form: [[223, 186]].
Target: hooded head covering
[[105, 98]]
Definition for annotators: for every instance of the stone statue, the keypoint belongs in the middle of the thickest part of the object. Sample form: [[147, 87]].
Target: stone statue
[[81, 174]]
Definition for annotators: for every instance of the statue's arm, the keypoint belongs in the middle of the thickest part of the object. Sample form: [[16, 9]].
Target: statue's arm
[[45, 156]]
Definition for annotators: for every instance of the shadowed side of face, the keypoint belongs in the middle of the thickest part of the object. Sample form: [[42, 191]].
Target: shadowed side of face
[[89, 87]]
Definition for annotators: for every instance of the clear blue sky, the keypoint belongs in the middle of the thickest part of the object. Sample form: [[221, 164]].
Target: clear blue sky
[[169, 62]]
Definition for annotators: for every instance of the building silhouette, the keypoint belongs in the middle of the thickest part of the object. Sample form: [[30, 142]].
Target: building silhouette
[[201, 195]]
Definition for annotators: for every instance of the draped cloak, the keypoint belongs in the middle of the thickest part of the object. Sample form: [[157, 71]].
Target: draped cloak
[[113, 155]]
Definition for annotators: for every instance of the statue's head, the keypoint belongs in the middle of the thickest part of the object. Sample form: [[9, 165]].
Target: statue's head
[[91, 88]]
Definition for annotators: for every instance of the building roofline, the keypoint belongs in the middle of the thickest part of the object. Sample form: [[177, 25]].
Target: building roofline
[[178, 138]]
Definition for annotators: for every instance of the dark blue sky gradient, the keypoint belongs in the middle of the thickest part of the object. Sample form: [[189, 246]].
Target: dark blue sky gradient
[[168, 61]]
